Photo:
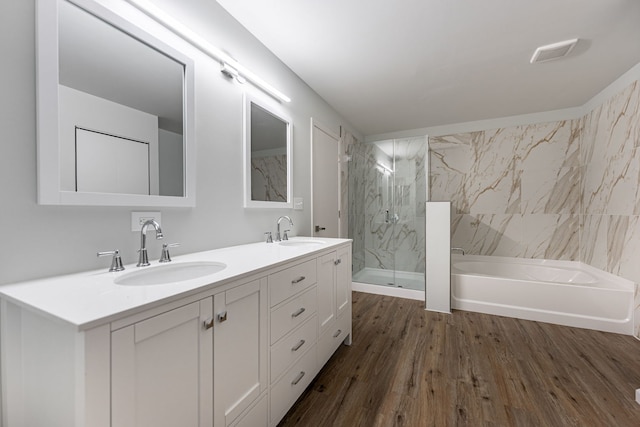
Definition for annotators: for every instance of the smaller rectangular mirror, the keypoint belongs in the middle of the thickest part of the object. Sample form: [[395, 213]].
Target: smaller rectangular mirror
[[267, 156]]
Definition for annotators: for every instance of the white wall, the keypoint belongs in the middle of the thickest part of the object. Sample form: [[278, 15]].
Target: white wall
[[38, 241]]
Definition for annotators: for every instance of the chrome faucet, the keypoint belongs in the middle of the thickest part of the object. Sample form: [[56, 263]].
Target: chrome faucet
[[285, 237], [143, 259], [458, 249]]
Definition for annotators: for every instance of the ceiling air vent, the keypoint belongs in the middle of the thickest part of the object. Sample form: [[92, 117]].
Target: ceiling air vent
[[553, 51]]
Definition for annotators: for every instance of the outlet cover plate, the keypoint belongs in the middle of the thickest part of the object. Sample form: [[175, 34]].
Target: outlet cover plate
[[139, 218]]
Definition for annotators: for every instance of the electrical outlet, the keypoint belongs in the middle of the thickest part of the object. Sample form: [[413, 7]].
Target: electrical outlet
[[298, 203], [139, 218], [638, 395]]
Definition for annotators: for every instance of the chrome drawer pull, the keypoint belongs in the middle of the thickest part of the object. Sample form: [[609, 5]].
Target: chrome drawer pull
[[337, 334], [299, 312], [298, 280], [222, 317], [297, 346], [298, 378], [338, 261]]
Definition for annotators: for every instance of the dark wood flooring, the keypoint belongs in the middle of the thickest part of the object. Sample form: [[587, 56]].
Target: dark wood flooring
[[410, 367]]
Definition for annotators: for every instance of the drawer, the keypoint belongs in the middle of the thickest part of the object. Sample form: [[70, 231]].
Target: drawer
[[289, 349], [289, 282], [331, 340], [293, 313], [285, 392], [256, 416]]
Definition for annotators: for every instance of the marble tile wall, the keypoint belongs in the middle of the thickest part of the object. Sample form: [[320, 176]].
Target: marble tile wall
[[514, 191], [269, 178]]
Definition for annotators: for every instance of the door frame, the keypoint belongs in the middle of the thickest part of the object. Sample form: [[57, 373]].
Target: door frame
[[326, 129]]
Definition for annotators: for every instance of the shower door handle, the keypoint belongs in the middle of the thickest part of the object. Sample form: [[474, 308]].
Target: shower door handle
[[318, 228]]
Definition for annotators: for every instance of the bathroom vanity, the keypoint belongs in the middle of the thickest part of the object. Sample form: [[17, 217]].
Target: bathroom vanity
[[235, 347]]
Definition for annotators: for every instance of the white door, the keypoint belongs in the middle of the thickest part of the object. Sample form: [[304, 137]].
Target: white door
[[326, 190]]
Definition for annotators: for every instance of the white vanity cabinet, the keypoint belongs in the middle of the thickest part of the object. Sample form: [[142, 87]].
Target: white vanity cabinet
[[161, 370], [237, 353]]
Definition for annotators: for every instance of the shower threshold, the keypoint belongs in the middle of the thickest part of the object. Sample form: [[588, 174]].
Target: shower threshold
[[381, 277]]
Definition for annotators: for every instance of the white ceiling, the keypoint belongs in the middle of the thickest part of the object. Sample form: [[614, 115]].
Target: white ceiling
[[391, 65]]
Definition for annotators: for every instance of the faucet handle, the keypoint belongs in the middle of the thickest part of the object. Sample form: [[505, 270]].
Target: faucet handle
[[284, 235], [269, 236], [166, 257], [116, 261]]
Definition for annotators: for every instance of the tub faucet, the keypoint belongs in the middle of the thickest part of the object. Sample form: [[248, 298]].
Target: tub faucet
[[458, 249], [285, 237], [143, 259]]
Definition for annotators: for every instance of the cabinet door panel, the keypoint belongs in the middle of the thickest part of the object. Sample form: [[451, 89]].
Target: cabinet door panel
[[326, 291], [343, 281], [161, 370], [240, 362]]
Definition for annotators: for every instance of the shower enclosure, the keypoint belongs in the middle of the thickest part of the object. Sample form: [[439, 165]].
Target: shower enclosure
[[387, 194]]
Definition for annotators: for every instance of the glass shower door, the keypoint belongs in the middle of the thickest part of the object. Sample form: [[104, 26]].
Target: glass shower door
[[387, 191], [409, 197]]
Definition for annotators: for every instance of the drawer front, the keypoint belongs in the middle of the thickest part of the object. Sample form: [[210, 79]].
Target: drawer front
[[331, 340], [256, 416], [289, 282], [285, 392], [292, 347], [293, 313]]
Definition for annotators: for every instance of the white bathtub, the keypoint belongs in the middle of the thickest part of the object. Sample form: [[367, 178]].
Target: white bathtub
[[561, 292]]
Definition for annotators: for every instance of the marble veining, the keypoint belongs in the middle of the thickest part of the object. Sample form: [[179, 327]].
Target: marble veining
[[269, 178], [517, 189]]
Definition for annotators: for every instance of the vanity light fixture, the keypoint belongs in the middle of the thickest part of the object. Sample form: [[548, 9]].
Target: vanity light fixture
[[241, 73], [231, 72]]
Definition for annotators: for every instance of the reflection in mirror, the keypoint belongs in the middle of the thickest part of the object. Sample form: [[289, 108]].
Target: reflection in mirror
[[267, 156], [123, 104]]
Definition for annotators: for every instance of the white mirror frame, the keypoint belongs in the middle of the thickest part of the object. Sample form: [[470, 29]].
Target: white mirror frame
[[248, 202], [48, 146]]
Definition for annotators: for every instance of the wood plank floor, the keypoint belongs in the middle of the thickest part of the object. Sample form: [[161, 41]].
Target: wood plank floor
[[410, 367]]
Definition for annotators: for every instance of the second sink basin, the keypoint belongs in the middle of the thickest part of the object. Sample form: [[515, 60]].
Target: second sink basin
[[170, 273]]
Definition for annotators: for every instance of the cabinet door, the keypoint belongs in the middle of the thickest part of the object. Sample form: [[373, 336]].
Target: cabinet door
[[326, 291], [240, 350], [162, 370], [343, 281]]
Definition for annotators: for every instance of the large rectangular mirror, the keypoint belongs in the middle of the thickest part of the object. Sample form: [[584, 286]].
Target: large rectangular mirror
[[267, 155], [115, 111]]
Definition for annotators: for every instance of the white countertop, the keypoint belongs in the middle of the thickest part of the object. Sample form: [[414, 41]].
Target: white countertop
[[89, 299]]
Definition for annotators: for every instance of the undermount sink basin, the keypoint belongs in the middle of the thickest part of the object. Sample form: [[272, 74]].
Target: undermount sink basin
[[299, 242], [169, 273]]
